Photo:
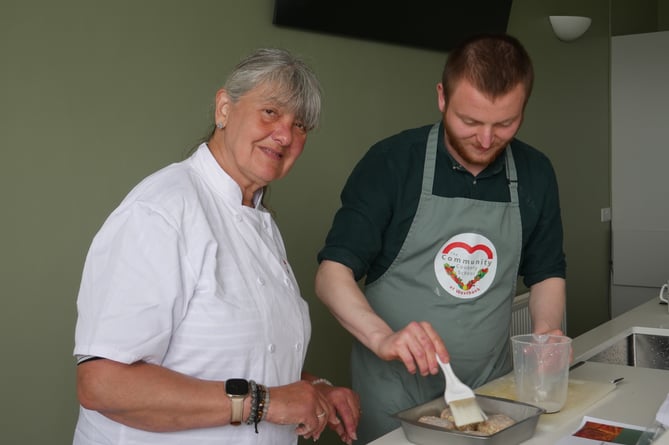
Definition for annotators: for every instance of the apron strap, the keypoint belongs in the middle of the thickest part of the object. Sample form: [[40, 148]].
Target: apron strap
[[511, 174], [430, 159]]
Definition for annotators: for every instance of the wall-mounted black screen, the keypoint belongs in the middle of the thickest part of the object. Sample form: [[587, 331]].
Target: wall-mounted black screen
[[431, 24]]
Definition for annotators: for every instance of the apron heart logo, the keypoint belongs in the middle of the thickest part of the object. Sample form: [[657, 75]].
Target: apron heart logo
[[450, 270], [471, 250], [465, 266]]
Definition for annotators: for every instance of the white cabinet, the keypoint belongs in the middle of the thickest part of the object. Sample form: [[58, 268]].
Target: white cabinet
[[640, 167]]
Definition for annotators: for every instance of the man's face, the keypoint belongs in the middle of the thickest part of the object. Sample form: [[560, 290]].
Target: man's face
[[477, 127]]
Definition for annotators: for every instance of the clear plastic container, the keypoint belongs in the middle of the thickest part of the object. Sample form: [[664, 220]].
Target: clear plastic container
[[541, 369]]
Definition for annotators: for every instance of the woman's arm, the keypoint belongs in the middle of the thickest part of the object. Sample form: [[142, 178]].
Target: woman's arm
[[154, 398]]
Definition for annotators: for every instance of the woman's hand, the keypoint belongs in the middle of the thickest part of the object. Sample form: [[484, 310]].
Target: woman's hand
[[345, 415], [301, 404]]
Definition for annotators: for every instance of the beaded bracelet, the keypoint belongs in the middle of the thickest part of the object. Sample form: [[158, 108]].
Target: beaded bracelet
[[263, 397], [254, 403], [266, 401]]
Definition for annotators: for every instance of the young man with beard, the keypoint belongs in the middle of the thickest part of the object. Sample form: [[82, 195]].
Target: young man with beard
[[440, 221]]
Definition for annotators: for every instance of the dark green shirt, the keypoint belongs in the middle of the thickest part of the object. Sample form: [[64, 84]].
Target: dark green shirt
[[381, 196]]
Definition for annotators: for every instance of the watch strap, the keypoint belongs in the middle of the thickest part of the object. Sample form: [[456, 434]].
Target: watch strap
[[236, 410]]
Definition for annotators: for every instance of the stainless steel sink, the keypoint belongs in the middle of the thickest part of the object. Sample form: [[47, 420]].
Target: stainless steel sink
[[642, 347]]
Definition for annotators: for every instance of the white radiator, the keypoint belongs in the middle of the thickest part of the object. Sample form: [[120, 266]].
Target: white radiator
[[521, 322]]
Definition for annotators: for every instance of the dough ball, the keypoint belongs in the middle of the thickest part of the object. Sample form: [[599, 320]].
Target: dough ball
[[448, 415], [437, 421], [495, 423], [472, 427], [477, 433]]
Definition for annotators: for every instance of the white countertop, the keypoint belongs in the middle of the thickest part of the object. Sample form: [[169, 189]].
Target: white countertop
[[634, 401]]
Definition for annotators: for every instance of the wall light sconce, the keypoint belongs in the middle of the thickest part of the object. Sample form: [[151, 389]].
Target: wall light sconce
[[569, 27]]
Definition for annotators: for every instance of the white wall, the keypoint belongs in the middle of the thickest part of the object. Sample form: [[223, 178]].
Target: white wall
[[640, 167]]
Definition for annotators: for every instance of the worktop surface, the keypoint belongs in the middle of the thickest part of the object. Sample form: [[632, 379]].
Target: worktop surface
[[635, 400]]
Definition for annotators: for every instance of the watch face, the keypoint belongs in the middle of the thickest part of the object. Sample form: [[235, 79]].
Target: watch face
[[237, 387]]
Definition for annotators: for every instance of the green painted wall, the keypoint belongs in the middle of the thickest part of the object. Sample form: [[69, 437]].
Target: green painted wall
[[96, 95], [634, 16], [568, 119], [663, 15]]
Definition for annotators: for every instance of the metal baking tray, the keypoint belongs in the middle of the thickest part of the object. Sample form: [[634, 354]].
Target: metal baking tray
[[525, 415]]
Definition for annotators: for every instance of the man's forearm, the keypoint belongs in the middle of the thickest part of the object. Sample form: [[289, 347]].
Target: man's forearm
[[337, 289], [547, 305]]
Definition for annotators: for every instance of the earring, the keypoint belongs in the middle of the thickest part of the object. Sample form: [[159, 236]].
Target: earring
[[219, 125]]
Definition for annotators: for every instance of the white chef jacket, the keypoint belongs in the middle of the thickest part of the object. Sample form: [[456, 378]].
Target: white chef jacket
[[183, 275]]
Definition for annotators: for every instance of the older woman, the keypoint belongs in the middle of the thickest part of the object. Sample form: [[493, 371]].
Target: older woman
[[191, 328]]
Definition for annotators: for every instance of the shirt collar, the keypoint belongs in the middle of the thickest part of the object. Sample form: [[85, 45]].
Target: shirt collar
[[491, 170], [205, 162]]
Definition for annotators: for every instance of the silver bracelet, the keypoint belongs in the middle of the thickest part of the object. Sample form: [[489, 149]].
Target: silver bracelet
[[322, 380], [266, 404]]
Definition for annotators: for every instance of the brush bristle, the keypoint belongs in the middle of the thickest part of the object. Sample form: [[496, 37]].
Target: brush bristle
[[466, 412]]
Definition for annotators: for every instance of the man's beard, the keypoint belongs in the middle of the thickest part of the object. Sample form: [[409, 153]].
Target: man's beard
[[483, 160]]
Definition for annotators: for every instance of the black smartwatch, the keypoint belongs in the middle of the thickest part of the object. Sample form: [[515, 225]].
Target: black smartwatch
[[237, 390]]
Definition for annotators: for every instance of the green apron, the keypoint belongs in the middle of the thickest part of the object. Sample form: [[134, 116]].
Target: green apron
[[457, 269]]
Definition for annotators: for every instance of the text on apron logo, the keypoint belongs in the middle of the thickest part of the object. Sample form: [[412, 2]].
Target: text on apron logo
[[466, 264]]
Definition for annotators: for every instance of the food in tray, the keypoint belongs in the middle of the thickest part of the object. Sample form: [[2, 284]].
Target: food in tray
[[494, 423], [438, 421]]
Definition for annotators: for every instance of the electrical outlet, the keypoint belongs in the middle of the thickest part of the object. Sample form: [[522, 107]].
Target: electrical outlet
[[605, 214]]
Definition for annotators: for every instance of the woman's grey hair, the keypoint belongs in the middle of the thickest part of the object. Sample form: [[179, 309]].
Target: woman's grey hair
[[296, 85]]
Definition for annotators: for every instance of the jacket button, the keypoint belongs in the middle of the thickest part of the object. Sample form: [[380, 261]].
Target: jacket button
[[271, 347]]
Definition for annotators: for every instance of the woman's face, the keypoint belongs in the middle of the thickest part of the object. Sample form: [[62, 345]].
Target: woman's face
[[260, 140]]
